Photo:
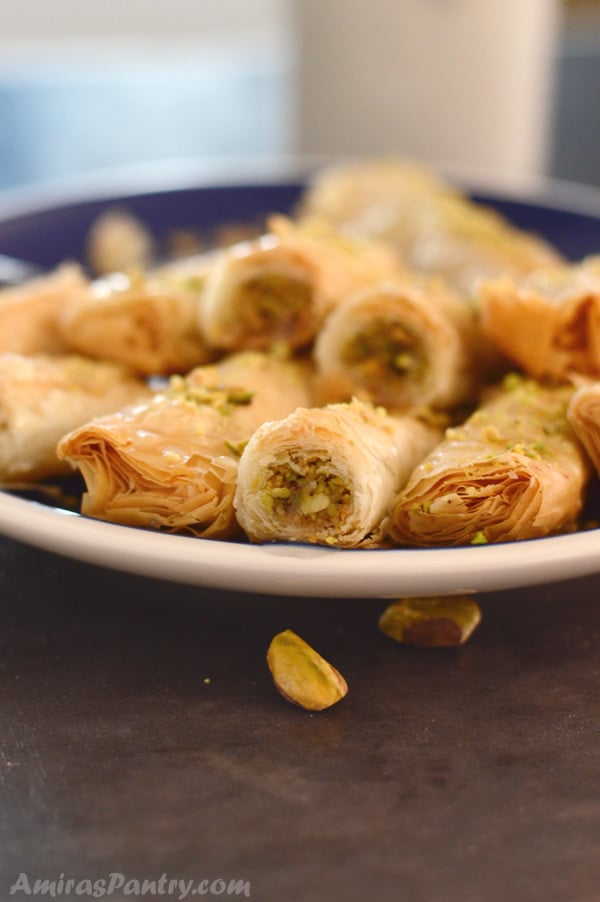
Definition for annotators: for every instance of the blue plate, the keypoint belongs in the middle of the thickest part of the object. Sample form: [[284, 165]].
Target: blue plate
[[47, 235]]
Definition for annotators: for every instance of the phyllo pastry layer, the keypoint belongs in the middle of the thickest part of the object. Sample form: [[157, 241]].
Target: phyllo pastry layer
[[327, 475], [171, 462], [513, 470], [42, 397]]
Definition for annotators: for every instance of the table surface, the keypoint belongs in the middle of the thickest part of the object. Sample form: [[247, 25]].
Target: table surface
[[142, 736]]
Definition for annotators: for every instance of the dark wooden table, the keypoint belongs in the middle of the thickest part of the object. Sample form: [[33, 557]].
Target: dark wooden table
[[142, 736]]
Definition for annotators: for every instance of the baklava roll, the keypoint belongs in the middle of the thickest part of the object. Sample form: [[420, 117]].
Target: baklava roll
[[434, 227], [549, 322], [408, 343], [259, 294], [513, 470], [171, 463], [344, 263], [118, 241], [584, 416], [42, 397], [327, 475], [146, 323], [374, 196], [279, 288], [29, 313]]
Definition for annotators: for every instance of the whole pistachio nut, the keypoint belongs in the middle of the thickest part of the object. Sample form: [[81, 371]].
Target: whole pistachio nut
[[431, 622], [301, 675]]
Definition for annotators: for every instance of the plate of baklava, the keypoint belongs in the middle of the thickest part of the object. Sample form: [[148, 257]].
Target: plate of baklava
[[370, 381]]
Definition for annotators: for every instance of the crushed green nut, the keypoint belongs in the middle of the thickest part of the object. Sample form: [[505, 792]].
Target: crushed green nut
[[479, 538], [236, 448]]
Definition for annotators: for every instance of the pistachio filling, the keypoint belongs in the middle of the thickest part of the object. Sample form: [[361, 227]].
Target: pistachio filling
[[274, 304], [304, 489], [385, 350]]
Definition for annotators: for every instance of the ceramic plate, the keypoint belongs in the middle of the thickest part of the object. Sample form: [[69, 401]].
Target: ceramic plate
[[48, 230]]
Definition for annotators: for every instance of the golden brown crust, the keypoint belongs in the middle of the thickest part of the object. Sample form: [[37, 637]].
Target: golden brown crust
[[513, 470], [547, 323], [327, 475], [147, 324], [404, 343], [431, 225], [584, 416], [43, 397], [171, 463], [30, 313]]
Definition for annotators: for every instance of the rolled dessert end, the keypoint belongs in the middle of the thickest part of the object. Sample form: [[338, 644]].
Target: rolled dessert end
[[513, 470], [410, 342], [327, 475]]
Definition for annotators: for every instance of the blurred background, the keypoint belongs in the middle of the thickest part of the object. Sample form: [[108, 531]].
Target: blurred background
[[509, 88]]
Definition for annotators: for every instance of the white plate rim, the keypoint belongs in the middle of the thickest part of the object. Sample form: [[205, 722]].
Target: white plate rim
[[301, 570]]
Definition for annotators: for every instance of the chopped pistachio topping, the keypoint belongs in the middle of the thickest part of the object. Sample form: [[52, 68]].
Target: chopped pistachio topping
[[491, 434], [512, 381], [236, 447], [479, 539], [194, 283], [222, 399]]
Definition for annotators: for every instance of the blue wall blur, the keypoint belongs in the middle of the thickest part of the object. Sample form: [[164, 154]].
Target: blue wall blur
[[77, 119], [70, 118], [576, 134]]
